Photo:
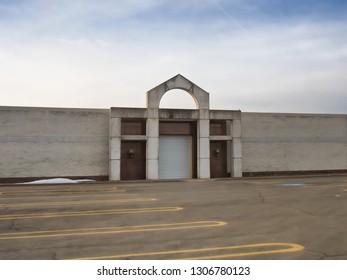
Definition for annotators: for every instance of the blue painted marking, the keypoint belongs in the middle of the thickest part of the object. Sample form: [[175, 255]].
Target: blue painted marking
[[293, 185]]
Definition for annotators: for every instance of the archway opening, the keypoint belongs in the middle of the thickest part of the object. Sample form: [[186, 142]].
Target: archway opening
[[178, 99]]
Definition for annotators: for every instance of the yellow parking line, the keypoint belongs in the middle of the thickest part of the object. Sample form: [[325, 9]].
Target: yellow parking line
[[88, 213], [292, 248], [110, 230], [82, 202]]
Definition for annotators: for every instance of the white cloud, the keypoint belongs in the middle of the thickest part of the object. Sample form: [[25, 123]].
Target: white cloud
[[291, 66]]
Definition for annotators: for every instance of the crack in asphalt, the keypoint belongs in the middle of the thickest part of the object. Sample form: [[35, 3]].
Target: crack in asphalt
[[334, 256], [54, 255], [298, 209], [12, 226], [324, 256], [260, 196]]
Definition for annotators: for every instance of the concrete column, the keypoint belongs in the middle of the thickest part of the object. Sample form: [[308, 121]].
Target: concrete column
[[203, 139], [152, 157], [236, 169], [229, 127], [114, 149]]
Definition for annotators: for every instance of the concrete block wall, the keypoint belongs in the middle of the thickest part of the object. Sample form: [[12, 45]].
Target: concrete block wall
[[51, 142], [293, 142]]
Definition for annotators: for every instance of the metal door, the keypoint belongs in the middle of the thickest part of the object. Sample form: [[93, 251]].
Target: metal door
[[133, 160], [218, 159], [175, 157]]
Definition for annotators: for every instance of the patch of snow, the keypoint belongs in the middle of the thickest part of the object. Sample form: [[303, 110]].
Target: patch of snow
[[57, 181]]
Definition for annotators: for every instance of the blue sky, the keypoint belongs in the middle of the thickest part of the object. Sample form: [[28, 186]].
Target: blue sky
[[252, 55]]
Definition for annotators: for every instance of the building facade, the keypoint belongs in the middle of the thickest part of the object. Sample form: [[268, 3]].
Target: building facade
[[153, 143]]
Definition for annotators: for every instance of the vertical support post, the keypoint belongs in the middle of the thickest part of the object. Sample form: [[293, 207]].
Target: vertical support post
[[236, 149], [152, 157], [229, 128], [114, 149], [203, 139]]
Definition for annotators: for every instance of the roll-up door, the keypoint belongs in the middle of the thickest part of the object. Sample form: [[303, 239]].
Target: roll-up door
[[175, 157]]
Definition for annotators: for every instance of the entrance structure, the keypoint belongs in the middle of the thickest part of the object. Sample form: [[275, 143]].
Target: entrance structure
[[208, 136]]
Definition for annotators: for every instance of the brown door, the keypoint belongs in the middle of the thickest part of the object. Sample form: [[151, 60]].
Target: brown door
[[218, 159], [133, 160]]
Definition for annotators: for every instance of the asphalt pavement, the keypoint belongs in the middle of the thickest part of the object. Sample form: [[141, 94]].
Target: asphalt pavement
[[259, 218]]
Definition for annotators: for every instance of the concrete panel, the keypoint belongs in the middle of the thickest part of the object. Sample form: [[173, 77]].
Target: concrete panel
[[115, 127], [203, 168], [221, 137], [27, 121], [115, 146], [152, 128], [153, 148], [202, 97], [204, 128], [236, 148], [114, 170], [203, 148], [229, 127], [293, 142], [182, 114], [153, 113], [154, 96], [134, 137], [236, 129], [261, 157], [236, 168], [133, 113], [55, 159], [204, 114], [292, 125], [229, 156], [47, 142], [225, 115], [152, 169]]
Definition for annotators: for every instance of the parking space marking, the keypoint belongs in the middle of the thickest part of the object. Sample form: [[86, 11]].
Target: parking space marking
[[82, 202], [291, 248], [89, 213], [110, 230]]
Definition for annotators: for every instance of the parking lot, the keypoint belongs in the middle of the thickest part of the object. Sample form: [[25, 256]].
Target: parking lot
[[263, 218]]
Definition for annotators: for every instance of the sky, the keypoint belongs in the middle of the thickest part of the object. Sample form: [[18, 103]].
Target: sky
[[250, 55]]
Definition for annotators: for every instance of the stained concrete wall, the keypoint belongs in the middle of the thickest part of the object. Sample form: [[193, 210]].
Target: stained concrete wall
[[49, 142], [293, 142]]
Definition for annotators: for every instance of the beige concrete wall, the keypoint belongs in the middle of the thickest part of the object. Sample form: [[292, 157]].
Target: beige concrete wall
[[293, 142], [49, 142]]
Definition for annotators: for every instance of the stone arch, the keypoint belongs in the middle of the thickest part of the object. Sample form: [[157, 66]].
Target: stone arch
[[200, 96]]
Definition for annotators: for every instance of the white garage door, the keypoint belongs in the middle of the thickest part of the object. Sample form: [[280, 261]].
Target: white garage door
[[175, 157]]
